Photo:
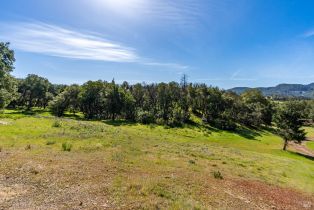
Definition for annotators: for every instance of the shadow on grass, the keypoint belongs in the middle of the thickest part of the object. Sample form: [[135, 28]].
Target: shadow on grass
[[192, 125], [74, 116], [247, 133], [302, 155], [269, 129], [119, 122], [30, 112]]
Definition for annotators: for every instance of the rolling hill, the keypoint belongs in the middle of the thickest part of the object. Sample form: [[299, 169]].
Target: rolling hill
[[290, 90]]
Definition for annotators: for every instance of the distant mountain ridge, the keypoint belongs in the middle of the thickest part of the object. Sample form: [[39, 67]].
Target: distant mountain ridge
[[283, 90]]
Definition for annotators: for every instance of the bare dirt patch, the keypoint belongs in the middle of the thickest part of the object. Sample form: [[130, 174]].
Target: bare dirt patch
[[4, 123], [302, 148], [60, 180], [67, 182], [265, 196]]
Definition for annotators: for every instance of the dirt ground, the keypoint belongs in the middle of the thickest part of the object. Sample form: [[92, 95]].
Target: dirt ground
[[3, 123], [73, 181], [302, 148]]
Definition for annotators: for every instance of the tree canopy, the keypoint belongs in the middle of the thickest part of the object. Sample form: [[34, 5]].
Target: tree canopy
[[170, 104], [7, 82]]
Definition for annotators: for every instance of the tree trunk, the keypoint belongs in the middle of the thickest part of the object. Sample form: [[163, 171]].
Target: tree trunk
[[285, 145]]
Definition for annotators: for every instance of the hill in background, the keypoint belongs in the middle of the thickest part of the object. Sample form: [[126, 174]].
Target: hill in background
[[284, 90]]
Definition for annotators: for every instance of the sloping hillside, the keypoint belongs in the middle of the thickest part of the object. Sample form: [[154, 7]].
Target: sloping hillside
[[295, 90], [66, 163]]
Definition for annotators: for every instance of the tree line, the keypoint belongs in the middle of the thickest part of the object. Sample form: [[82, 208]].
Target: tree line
[[171, 104]]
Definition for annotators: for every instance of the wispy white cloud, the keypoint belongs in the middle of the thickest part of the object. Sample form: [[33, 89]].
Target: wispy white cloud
[[184, 12], [234, 77], [167, 65], [177, 12], [308, 34], [57, 41], [51, 40], [237, 77]]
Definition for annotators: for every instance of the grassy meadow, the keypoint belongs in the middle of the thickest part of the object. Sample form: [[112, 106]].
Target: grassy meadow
[[132, 166], [310, 134]]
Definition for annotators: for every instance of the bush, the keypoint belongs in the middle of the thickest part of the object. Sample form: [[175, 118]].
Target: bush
[[177, 118], [144, 117], [224, 124], [66, 146], [160, 121], [50, 142], [58, 106], [192, 162], [217, 175], [57, 124]]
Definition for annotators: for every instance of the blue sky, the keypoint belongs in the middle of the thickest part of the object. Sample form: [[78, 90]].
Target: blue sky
[[224, 43]]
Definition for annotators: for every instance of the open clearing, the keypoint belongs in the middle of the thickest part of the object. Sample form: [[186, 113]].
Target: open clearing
[[130, 166]]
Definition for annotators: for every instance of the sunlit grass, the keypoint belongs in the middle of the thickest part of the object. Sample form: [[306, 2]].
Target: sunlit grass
[[147, 156]]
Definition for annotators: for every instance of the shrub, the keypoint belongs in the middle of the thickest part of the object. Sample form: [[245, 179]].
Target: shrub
[[58, 105], [57, 124], [160, 121], [66, 146], [192, 162], [224, 124], [217, 175], [28, 147], [144, 117], [50, 142], [177, 118]]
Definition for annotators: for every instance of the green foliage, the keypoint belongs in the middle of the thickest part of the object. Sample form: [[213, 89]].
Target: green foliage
[[114, 100], [192, 162], [309, 111], [6, 58], [257, 110], [67, 100], [288, 120], [144, 117], [34, 91], [8, 87], [50, 142], [57, 124], [92, 98], [28, 147], [217, 175], [66, 146]]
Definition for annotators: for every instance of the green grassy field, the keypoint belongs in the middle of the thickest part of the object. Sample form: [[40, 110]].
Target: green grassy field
[[150, 165], [310, 133]]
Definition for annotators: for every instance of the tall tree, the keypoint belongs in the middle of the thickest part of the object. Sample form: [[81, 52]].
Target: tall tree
[[34, 91], [257, 109], [289, 123], [184, 98], [93, 99], [67, 100], [7, 82], [114, 100]]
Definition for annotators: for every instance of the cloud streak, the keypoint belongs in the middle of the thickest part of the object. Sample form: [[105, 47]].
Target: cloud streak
[[51, 40], [167, 65], [308, 34], [184, 12], [178, 12], [233, 77], [57, 41]]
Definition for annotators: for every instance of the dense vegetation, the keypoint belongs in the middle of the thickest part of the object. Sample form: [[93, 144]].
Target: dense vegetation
[[170, 104]]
